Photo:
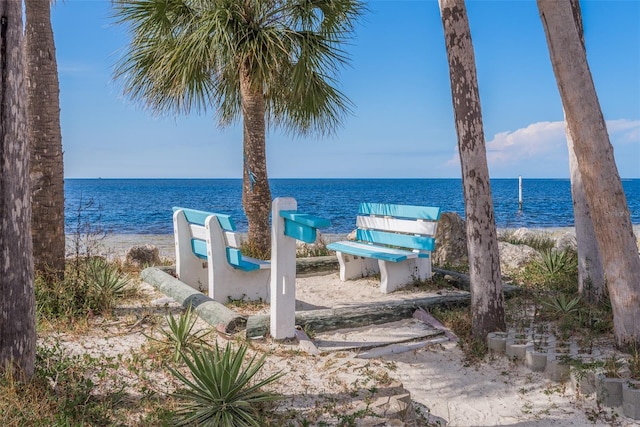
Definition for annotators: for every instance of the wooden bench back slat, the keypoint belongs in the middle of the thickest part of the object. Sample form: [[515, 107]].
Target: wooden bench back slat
[[423, 243], [234, 256], [199, 247], [402, 211], [232, 238], [194, 216], [397, 225]]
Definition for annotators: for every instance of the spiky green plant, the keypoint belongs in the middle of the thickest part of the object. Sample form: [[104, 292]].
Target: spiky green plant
[[179, 333], [222, 391], [554, 262], [562, 305], [106, 281]]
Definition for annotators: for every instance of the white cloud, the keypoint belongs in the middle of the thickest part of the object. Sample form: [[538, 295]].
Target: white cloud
[[544, 143]]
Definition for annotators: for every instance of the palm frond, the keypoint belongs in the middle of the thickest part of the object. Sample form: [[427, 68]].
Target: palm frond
[[187, 55]]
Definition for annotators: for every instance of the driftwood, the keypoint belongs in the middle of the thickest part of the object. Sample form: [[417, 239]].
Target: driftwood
[[461, 280], [362, 315], [209, 310], [355, 316], [314, 266]]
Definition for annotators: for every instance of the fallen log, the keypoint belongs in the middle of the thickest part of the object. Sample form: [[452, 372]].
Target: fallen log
[[362, 315], [209, 310], [355, 316]]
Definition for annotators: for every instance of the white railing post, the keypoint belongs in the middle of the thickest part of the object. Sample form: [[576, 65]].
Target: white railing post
[[283, 272]]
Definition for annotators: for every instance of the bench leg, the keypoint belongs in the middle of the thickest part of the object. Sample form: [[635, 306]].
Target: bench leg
[[395, 275], [355, 267], [227, 283]]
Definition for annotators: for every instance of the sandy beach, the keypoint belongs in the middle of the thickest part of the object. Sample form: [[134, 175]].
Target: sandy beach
[[449, 391]]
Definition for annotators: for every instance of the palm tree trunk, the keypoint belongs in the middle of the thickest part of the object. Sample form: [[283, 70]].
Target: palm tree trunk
[[45, 139], [594, 153], [17, 300], [256, 195], [487, 300], [591, 281]]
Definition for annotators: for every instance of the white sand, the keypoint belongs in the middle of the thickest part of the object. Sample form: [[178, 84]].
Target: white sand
[[497, 392]]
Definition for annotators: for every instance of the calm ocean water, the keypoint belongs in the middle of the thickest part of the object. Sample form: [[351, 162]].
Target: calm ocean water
[[143, 206]]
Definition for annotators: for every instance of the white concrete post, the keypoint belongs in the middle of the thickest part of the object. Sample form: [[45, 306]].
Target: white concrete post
[[283, 272]]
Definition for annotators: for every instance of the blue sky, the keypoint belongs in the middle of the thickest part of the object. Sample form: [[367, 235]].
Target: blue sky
[[402, 124]]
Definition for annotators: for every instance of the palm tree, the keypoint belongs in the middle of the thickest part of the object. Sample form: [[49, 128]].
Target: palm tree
[[594, 155], [591, 280], [45, 141], [269, 62], [487, 300], [17, 300]]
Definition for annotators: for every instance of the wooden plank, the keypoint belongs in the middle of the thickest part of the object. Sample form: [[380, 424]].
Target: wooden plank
[[305, 342], [262, 264], [306, 219], [195, 216], [426, 317], [372, 336], [362, 315], [235, 258], [424, 243], [198, 231], [199, 248], [355, 316], [233, 239], [404, 211], [397, 225], [371, 251], [299, 231]]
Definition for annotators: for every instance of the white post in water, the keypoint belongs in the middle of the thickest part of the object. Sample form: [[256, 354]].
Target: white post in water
[[520, 192], [283, 272]]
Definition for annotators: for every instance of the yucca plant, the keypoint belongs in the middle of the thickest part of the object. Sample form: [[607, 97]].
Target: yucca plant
[[554, 262], [222, 391], [180, 334], [106, 281], [562, 304]]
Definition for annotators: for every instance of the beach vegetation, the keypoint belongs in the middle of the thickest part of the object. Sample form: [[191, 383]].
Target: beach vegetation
[[223, 388], [538, 241], [266, 63], [179, 334], [61, 391], [458, 320], [107, 283]]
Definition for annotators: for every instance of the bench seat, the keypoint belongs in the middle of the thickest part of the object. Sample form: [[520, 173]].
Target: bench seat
[[384, 253], [393, 240]]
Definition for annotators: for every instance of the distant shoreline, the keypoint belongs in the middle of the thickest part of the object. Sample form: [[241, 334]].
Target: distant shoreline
[[118, 244]]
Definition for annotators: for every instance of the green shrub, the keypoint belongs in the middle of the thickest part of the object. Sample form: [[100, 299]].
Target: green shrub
[[538, 241], [222, 391], [106, 283], [180, 335]]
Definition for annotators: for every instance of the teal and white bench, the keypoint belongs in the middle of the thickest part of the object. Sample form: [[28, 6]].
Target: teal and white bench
[[208, 257], [393, 240]]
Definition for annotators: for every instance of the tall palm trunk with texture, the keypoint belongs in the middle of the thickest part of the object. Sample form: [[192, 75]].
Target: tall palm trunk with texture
[[45, 141], [17, 300], [594, 153], [487, 300], [256, 195], [591, 281]]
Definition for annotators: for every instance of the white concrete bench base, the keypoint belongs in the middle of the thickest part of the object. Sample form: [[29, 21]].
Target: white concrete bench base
[[393, 275]]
